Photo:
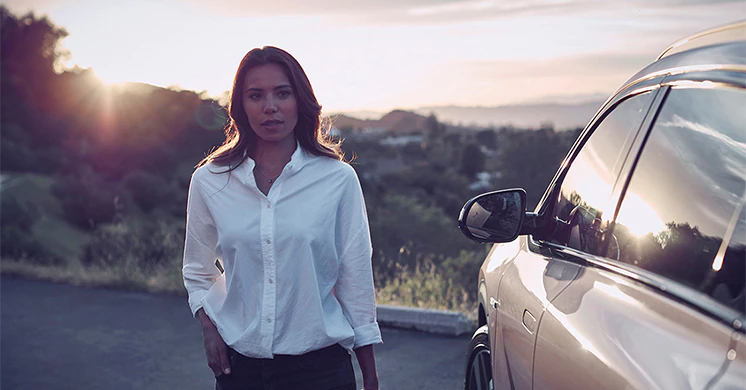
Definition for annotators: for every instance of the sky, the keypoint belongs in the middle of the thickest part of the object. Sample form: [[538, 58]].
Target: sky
[[377, 55]]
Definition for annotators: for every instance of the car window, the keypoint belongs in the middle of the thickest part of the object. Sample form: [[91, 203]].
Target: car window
[[583, 205], [682, 214]]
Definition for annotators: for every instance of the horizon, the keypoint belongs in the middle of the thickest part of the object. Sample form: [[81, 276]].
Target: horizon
[[482, 53]]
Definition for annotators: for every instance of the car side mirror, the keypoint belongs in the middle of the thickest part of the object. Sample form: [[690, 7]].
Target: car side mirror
[[494, 216]]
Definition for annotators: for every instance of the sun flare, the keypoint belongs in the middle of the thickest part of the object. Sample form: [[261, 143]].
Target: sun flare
[[639, 217]]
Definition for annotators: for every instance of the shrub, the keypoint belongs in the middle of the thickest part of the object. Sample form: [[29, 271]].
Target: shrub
[[20, 245], [87, 200], [19, 214], [145, 245], [151, 192]]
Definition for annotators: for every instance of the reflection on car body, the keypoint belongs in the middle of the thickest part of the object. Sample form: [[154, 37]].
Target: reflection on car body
[[631, 271]]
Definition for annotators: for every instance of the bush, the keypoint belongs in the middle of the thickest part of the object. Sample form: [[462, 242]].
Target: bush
[[18, 214], [16, 237], [151, 192], [87, 200], [405, 229], [145, 245], [20, 245]]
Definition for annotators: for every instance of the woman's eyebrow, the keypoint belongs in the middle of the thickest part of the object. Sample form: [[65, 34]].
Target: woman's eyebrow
[[257, 89]]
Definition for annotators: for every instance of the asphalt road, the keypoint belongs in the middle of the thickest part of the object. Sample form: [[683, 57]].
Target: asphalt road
[[63, 337]]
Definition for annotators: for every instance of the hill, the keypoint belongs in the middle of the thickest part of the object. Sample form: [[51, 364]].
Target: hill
[[561, 116], [397, 122]]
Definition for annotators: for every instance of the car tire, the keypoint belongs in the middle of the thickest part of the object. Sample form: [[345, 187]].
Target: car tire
[[479, 364]]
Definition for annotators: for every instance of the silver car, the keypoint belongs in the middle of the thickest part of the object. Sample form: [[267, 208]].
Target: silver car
[[630, 272]]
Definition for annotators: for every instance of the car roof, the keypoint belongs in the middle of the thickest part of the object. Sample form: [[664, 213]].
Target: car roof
[[722, 48], [732, 32]]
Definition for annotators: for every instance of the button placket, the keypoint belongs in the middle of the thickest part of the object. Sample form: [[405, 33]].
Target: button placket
[[268, 253]]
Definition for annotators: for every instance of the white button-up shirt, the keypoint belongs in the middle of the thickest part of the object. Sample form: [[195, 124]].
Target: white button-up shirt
[[298, 274]]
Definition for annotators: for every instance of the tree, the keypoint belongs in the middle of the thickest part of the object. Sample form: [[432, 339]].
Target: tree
[[30, 50], [472, 160], [435, 129], [487, 138]]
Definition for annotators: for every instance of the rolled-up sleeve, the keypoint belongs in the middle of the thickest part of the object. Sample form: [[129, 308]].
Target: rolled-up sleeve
[[354, 288], [199, 268]]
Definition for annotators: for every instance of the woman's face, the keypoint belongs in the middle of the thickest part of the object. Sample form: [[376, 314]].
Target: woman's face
[[270, 105]]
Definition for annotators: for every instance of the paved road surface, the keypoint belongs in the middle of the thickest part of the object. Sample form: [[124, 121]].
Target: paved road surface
[[62, 337]]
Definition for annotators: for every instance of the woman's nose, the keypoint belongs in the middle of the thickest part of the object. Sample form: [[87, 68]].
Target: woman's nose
[[270, 106]]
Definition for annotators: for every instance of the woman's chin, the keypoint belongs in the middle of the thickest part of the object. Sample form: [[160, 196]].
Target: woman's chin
[[277, 138]]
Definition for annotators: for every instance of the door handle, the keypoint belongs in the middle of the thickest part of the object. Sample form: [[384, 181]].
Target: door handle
[[529, 321], [495, 303]]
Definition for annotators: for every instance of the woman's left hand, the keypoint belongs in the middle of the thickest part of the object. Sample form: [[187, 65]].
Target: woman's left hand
[[367, 361]]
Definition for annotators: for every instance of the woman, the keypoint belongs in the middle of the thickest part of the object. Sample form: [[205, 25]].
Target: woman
[[286, 217]]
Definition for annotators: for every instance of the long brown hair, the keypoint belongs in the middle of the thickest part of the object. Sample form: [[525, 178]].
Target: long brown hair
[[310, 131]]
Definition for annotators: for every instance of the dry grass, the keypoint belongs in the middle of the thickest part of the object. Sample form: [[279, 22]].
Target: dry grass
[[126, 276], [424, 286]]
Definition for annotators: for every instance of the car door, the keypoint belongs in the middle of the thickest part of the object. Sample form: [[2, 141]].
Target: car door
[[659, 300], [536, 277]]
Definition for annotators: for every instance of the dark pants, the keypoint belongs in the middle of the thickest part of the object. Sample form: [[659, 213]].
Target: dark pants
[[328, 368]]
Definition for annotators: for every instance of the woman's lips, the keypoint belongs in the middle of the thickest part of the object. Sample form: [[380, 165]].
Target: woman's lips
[[271, 122]]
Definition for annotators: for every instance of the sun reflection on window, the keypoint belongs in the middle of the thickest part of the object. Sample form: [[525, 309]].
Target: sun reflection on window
[[639, 217]]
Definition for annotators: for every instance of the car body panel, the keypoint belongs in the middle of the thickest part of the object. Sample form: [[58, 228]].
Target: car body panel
[[734, 369], [529, 284], [491, 273], [607, 332]]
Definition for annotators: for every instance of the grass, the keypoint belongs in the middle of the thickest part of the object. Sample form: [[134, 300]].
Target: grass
[[422, 287], [126, 276]]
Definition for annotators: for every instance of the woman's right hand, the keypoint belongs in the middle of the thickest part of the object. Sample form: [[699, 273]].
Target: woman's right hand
[[215, 348]]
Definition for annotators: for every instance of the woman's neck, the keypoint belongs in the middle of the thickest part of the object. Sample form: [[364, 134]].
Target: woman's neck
[[271, 157]]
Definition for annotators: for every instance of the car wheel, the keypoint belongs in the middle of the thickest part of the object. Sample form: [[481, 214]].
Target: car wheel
[[479, 364]]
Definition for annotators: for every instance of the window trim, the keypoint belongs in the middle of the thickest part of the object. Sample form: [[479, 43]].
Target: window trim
[[546, 204], [683, 294], [689, 296], [652, 85]]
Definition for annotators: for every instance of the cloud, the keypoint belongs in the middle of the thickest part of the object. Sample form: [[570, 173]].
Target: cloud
[[584, 65], [436, 11], [508, 81], [394, 11]]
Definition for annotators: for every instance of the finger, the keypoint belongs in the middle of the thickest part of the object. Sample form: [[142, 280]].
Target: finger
[[223, 358], [213, 361]]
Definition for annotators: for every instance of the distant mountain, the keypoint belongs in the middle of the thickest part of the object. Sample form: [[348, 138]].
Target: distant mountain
[[397, 121], [561, 116]]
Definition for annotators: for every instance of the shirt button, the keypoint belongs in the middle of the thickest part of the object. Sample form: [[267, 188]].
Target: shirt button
[[270, 281], [268, 242], [269, 320], [269, 206]]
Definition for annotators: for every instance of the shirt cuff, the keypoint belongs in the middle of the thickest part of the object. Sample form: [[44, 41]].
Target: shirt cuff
[[195, 301], [366, 335]]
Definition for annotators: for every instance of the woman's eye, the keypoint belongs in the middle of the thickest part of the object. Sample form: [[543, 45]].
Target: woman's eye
[[255, 96], [283, 94]]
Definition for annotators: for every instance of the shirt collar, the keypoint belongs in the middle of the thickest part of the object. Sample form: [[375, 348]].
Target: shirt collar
[[298, 159]]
